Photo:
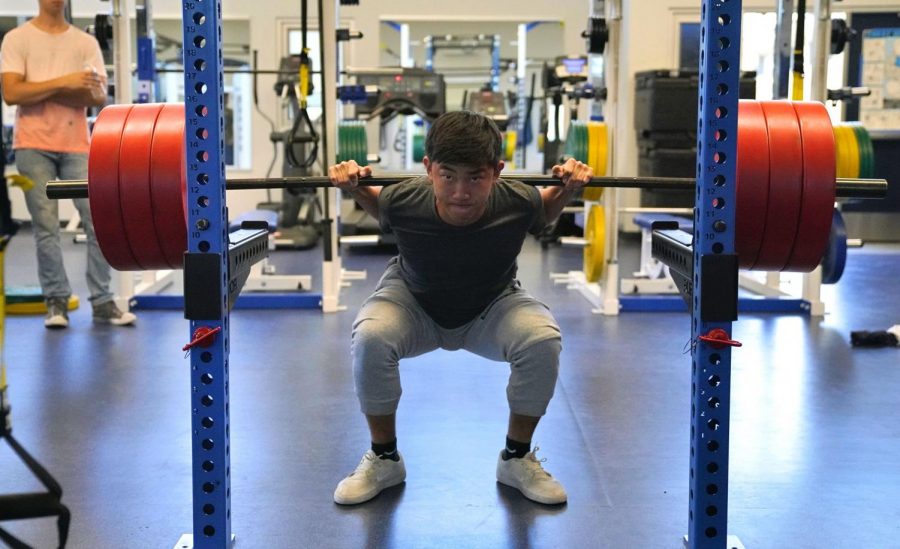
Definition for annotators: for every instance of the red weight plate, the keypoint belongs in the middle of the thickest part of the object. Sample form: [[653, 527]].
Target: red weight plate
[[134, 186], [818, 187], [752, 191], [103, 187], [785, 185], [167, 183]]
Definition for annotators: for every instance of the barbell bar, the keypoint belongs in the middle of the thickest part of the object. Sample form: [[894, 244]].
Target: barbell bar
[[137, 184], [846, 187]]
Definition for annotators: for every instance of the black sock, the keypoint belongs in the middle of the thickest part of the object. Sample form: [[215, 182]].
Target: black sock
[[515, 449], [388, 450]]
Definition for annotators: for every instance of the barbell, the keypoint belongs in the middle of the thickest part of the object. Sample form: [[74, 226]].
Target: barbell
[[785, 191]]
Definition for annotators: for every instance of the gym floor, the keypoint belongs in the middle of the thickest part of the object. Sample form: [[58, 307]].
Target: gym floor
[[814, 433]]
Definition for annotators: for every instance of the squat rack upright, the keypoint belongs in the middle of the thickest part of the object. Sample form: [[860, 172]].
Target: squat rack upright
[[206, 267]]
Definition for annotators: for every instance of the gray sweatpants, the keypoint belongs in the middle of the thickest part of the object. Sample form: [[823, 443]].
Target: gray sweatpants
[[514, 328]]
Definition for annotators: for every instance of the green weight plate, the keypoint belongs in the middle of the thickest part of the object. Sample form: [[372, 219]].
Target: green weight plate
[[864, 161]]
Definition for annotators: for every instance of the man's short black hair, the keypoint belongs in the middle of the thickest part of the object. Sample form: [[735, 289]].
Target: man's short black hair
[[464, 138]]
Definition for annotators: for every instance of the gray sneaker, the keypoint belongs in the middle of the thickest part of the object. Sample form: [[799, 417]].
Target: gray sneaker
[[108, 313], [57, 313]]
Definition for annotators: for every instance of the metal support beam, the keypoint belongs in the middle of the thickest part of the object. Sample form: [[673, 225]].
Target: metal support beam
[[714, 258], [206, 265]]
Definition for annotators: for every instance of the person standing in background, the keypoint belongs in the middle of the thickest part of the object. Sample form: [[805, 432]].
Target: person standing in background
[[53, 71]]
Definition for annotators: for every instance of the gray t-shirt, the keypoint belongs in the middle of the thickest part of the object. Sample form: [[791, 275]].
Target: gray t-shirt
[[455, 272]]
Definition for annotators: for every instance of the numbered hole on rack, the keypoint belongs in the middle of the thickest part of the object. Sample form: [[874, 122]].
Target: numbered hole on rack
[[719, 180], [711, 532], [206, 400], [203, 246], [203, 178], [722, 66], [714, 402], [718, 248], [208, 444], [206, 356], [200, 65], [203, 201], [722, 89], [724, 43], [200, 41], [201, 87], [207, 422], [714, 380], [206, 378], [724, 19], [713, 424], [712, 446], [209, 531], [719, 157], [721, 112], [712, 467], [720, 136], [712, 511], [209, 509], [715, 359], [203, 156], [209, 487], [208, 466], [712, 489], [199, 18], [203, 134], [718, 203], [202, 111]]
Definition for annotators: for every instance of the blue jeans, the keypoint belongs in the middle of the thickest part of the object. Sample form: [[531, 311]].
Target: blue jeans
[[514, 328], [41, 167]]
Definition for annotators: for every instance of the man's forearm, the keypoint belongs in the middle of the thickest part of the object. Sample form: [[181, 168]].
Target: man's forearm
[[367, 198], [30, 93], [79, 98], [555, 199]]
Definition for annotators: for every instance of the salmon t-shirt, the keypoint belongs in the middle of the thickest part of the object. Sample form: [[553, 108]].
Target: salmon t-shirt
[[42, 56]]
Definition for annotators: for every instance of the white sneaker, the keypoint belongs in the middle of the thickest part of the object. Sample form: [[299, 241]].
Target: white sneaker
[[528, 476], [371, 476]]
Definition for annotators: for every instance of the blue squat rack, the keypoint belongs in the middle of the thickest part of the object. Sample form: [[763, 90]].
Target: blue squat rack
[[713, 279], [206, 271], [713, 301]]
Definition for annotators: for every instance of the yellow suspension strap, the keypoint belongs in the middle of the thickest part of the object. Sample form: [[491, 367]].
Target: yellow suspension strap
[[797, 93], [304, 85]]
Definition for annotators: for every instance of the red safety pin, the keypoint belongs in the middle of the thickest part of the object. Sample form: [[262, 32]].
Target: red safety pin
[[203, 337], [718, 339]]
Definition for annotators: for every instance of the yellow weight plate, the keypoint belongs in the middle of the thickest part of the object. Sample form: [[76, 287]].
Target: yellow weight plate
[[511, 140], [595, 250], [842, 162], [597, 141], [853, 150], [603, 150]]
